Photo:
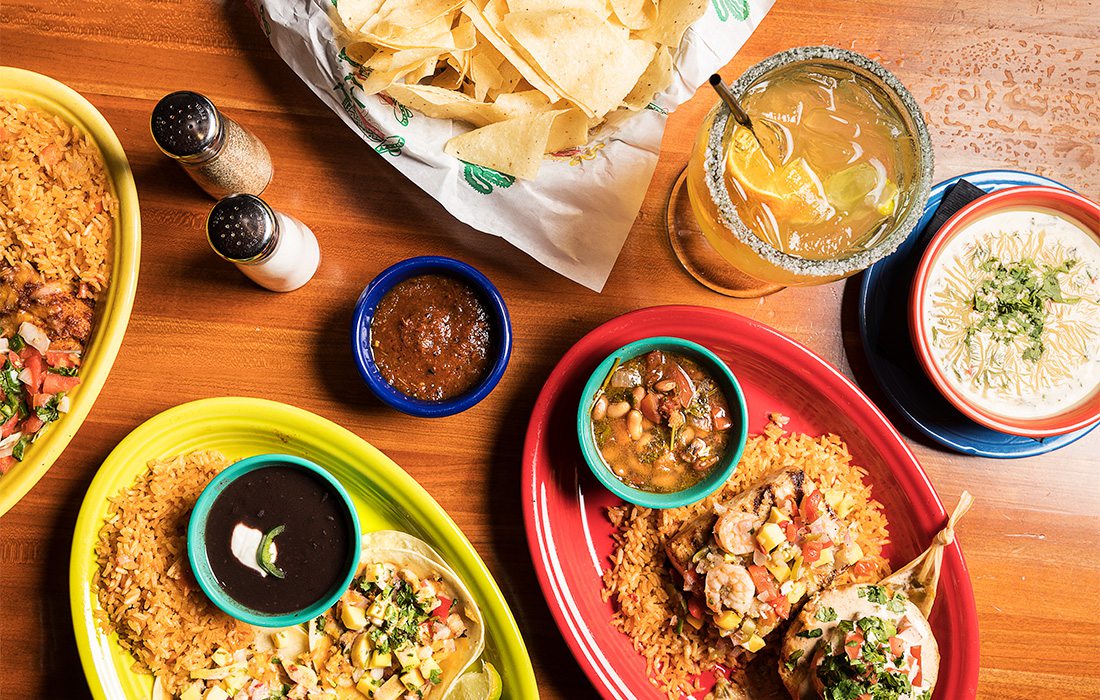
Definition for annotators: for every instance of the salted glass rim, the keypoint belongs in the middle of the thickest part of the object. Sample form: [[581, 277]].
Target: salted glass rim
[[714, 164]]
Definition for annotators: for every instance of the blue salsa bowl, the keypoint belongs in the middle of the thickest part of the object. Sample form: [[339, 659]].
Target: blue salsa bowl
[[364, 353], [200, 562], [731, 389]]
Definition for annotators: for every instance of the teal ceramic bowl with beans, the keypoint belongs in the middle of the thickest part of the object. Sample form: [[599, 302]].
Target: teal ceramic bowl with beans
[[716, 474], [299, 514]]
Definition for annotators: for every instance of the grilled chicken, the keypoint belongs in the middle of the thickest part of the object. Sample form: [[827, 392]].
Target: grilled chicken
[[26, 296]]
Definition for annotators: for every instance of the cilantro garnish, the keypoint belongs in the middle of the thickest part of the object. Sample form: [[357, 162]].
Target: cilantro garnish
[[825, 614], [1012, 301]]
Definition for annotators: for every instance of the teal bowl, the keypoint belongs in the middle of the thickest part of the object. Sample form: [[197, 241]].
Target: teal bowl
[[731, 389], [200, 563]]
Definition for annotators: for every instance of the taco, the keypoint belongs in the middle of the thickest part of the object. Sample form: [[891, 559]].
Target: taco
[[870, 640], [406, 627]]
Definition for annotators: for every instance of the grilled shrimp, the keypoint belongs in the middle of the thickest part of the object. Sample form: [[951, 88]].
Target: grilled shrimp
[[735, 531], [729, 587]]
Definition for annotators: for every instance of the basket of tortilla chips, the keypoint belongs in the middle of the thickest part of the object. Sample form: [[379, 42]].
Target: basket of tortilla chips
[[535, 120]]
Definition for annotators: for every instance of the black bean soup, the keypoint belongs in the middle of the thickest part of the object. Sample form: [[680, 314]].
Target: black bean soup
[[301, 550]]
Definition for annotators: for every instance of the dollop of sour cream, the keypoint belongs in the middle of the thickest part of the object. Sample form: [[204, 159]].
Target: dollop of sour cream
[[245, 545], [1012, 312]]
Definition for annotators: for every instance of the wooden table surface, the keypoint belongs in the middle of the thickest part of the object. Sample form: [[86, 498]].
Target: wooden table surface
[[1005, 84]]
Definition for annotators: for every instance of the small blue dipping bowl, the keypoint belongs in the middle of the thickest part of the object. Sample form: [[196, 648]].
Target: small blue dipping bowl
[[738, 431], [364, 353], [200, 563]]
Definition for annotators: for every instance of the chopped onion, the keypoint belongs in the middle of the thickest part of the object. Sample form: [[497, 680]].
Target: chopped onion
[[759, 558], [25, 376], [7, 445], [35, 337], [63, 404], [3, 344], [626, 378]]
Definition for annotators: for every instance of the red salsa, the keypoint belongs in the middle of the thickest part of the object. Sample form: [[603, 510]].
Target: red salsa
[[431, 337]]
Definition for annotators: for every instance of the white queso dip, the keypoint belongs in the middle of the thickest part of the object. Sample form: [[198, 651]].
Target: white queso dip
[[1012, 312]]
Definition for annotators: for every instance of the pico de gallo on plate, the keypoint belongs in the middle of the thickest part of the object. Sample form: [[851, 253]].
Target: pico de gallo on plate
[[34, 385]]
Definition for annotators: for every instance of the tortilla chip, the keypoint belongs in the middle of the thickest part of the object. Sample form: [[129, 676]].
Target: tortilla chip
[[673, 19], [445, 104], [599, 7], [656, 78], [493, 36], [518, 104], [355, 13], [436, 34], [484, 72], [515, 146], [409, 14], [570, 130], [587, 59], [635, 14]]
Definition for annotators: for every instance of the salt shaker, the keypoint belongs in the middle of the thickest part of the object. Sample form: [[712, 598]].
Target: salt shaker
[[273, 249], [218, 153]]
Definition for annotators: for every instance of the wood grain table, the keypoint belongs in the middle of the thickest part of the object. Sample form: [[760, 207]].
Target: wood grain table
[[1010, 83]]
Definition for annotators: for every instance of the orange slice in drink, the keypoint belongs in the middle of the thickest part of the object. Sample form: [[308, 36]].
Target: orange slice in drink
[[793, 189]]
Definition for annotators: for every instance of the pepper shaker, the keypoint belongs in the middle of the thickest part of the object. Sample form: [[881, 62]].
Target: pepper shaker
[[273, 249], [219, 154]]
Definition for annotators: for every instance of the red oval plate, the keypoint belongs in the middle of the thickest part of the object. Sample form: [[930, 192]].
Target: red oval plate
[[564, 506]]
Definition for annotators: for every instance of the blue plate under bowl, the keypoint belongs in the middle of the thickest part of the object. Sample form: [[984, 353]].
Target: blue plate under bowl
[[364, 354], [884, 329]]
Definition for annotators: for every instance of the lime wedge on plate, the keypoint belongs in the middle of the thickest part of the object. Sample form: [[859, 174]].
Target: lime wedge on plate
[[483, 685]]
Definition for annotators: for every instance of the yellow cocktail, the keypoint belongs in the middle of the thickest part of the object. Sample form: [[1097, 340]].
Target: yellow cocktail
[[833, 176]]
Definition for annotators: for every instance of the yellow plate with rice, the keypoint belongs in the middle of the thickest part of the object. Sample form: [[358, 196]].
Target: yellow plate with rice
[[113, 306], [148, 583]]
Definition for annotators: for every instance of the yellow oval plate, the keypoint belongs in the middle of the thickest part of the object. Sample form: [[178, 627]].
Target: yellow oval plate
[[385, 496], [112, 309]]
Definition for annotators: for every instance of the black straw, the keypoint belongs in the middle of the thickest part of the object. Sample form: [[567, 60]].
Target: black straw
[[739, 114]]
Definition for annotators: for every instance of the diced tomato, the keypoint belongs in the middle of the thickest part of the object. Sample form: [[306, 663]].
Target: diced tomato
[[9, 427], [897, 647], [695, 607], [39, 400], [765, 584], [443, 609], [853, 644], [62, 359], [6, 463], [781, 606], [864, 696], [811, 506], [32, 425], [15, 360], [864, 568], [54, 383], [34, 362], [811, 551], [918, 679], [720, 417], [791, 531]]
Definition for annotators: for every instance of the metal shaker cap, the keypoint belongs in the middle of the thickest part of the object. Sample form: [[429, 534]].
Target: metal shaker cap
[[187, 126], [242, 228]]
